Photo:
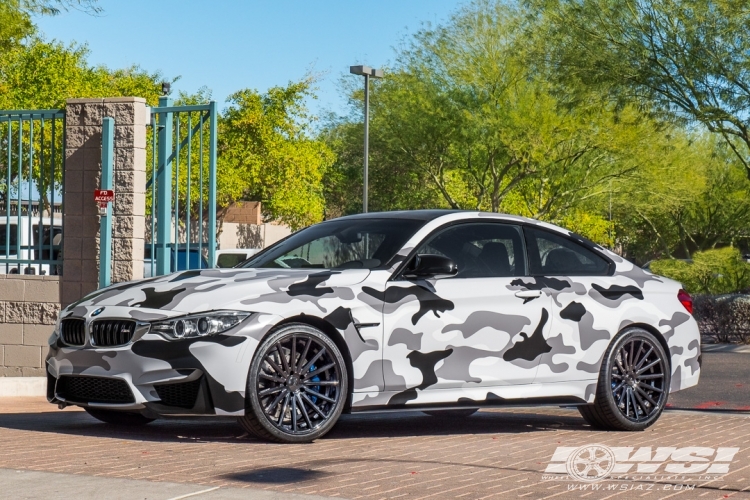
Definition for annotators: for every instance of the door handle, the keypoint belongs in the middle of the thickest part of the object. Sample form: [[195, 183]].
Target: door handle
[[529, 294]]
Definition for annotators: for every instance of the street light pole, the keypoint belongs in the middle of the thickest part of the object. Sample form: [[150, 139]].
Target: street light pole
[[367, 144], [367, 72]]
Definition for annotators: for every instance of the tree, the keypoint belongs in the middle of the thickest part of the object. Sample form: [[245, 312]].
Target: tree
[[15, 25], [694, 199], [40, 74], [266, 154], [465, 122], [15, 17], [689, 58], [43, 74]]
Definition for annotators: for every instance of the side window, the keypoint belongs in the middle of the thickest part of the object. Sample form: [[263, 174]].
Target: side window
[[480, 250], [554, 255]]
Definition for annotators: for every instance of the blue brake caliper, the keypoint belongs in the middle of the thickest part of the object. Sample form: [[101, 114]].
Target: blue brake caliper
[[316, 388]]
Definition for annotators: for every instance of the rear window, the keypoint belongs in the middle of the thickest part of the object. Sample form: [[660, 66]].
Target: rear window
[[554, 255]]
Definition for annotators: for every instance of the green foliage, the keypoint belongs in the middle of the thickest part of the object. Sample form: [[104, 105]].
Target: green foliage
[[54, 7], [683, 58], [592, 226], [463, 121], [267, 154], [540, 109], [15, 17], [42, 74], [712, 272], [695, 197], [15, 25]]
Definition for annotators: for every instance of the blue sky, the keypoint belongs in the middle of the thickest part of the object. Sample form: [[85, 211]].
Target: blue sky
[[228, 45]]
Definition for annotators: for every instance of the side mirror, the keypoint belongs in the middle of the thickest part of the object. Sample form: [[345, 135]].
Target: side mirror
[[429, 265]]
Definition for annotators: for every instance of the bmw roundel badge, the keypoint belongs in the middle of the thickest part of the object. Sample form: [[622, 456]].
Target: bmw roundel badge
[[97, 312]]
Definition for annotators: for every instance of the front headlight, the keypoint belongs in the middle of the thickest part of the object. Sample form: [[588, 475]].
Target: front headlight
[[198, 325]]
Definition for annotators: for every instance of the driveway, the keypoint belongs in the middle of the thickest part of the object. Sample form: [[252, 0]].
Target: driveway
[[493, 454]]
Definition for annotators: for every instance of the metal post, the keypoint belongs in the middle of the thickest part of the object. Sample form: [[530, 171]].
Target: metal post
[[105, 221], [368, 73], [212, 185], [164, 191], [367, 140]]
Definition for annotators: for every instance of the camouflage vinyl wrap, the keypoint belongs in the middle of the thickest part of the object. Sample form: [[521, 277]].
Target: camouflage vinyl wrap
[[411, 343]]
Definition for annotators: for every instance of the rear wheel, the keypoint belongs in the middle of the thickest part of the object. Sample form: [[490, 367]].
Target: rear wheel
[[297, 386], [633, 384], [119, 417], [459, 413]]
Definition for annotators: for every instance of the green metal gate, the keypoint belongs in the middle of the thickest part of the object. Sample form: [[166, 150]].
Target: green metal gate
[[181, 188], [32, 161]]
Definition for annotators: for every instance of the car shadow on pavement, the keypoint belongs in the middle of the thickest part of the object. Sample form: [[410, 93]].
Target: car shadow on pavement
[[223, 429], [276, 475]]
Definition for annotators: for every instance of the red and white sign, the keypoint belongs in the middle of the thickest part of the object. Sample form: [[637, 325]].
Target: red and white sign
[[104, 196]]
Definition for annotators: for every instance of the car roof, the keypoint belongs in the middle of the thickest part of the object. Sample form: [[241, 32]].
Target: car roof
[[432, 214], [402, 214]]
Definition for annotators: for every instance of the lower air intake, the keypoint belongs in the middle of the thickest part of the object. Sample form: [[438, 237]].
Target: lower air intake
[[181, 395], [94, 390]]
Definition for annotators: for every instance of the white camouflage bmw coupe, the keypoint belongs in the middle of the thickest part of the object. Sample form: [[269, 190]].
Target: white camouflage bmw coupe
[[424, 310]]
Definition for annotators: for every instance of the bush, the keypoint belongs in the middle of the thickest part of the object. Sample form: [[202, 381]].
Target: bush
[[723, 318], [713, 272]]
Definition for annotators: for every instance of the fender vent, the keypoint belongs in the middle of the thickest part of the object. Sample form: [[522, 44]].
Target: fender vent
[[111, 333], [73, 331]]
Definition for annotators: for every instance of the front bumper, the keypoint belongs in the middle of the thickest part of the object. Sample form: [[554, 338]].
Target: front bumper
[[155, 376]]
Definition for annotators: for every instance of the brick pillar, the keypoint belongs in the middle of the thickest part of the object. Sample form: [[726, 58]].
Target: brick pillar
[[83, 127]]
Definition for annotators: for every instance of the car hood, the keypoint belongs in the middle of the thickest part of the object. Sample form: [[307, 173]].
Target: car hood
[[212, 289]]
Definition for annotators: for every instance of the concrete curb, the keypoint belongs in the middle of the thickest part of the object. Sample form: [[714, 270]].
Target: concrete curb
[[22, 386], [726, 348]]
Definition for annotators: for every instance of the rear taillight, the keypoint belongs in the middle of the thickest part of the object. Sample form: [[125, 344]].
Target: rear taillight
[[686, 300]]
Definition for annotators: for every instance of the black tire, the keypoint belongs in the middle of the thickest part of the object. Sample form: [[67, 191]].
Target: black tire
[[121, 418], [283, 403], [456, 413], [630, 395]]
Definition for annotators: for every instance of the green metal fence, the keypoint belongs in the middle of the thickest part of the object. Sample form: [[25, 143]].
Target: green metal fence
[[32, 163], [181, 188]]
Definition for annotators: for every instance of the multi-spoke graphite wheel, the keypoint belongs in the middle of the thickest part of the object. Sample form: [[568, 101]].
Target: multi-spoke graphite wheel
[[638, 379], [633, 383], [297, 386]]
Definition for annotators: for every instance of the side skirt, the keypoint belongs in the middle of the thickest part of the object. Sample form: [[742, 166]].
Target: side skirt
[[494, 403], [566, 393]]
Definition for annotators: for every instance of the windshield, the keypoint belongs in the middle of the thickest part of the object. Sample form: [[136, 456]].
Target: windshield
[[339, 244]]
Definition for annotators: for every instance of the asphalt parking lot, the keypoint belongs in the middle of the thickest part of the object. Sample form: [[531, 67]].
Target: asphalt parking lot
[[724, 384]]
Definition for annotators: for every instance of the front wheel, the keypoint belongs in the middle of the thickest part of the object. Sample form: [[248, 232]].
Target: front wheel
[[633, 384], [297, 386]]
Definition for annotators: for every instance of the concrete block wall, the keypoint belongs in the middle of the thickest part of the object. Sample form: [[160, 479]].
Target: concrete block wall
[[239, 235], [29, 306]]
